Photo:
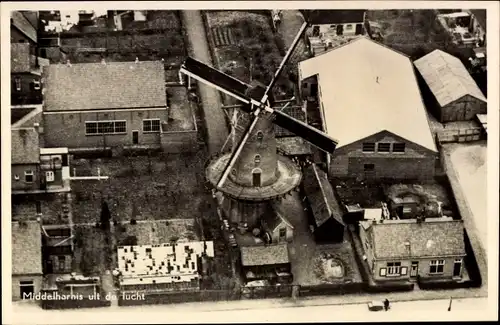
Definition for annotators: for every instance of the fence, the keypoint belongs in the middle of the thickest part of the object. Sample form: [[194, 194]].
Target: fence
[[459, 135]]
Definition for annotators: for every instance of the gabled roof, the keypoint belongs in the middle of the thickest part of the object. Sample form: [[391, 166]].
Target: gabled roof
[[20, 57], [25, 146], [19, 21], [447, 77], [274, 217], [431, 238], [367, 88], [26, 248], [320, 195], [112, 85], [324, 17], [264, 255]]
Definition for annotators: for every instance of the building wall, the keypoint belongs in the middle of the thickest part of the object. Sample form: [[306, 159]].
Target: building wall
[[329, 232], [275, 236], [68, 129], [423, 269], [367, 246], [463, 109], [17, 37], [415, 163], [37, 281], [21, 184], [328, 28], [27, 95]]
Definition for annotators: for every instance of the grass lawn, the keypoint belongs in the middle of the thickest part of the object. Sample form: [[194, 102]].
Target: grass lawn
[[245, 45], [162, 187]]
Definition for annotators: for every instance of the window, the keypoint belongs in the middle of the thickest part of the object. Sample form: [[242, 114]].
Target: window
[[436, 266], [16, 177], [151, 125], [384, 147], [369, 167], [26, 289], [333, 26], [49, 176], [398, 147], [61, 261], [260, 136], [28, 176], [36, 85], [105, 127], [348, 27], [282, 233], [17, 82], [257, 159], [369, 147], [393, 268]]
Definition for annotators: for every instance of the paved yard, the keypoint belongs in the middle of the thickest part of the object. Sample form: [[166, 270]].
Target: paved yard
[[469, 162], [181, 110]]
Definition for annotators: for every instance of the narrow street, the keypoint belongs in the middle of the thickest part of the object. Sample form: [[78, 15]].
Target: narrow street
[[217, 130], [269, 310]]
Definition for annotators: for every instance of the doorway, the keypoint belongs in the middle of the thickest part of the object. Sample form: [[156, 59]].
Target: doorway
[[282, 235], [314, 90], [26, 289], [256, 173], [359, 29], [340, 29], [135, 137], [315, 32], [414, 269], [457, 268]]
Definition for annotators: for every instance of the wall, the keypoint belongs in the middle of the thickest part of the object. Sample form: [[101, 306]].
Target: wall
[[21, 184], [68, 129], [346, 32], [276, 234], [423, 269], [17, 37], [179, 142], [37, 281], [415, 162], [463, 109]]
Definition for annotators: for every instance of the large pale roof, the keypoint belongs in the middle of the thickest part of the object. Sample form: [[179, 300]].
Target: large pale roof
[[366, 88]]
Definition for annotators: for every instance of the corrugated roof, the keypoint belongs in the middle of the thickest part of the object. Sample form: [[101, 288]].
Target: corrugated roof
[[264, 255], [432, 237], [26, 248], [104, 86], [320, 195], [23, 25], [20, 57], [366, 88], [447, 77], [25, 146]]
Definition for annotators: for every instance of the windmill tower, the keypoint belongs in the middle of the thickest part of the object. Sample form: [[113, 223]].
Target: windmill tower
[[253, 174]]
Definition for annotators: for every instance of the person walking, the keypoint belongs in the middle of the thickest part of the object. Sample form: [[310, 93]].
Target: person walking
[[386, 304]]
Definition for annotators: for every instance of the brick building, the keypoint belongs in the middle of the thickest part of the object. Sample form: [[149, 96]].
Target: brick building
[[104, 105], [384, 132]]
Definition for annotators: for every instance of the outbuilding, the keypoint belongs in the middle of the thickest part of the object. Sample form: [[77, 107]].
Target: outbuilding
[[450, 91]]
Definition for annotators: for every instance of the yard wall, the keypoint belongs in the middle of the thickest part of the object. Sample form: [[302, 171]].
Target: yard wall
[[68, 129], [179, 142]]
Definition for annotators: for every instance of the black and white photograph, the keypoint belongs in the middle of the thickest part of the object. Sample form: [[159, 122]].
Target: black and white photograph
[[196, 162]]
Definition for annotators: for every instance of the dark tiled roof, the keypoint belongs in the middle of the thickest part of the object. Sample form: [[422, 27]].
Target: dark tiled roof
[[320, 195], [295, 112], [25, 146], [26, 248], [274, 217], [293, 146], [321, 17], [433, 237], [104, 86], [264, 255], [17, 114], [23, 24], [20, 57]]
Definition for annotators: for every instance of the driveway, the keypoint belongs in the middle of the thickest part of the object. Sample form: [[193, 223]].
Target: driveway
[[214, 116]]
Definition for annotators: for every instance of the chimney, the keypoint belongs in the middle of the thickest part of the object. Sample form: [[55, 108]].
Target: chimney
[[68, 63], [103, 61], [136, 60]]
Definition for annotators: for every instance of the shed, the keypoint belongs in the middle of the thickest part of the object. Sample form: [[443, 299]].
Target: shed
[[449, 88], [327, 215]]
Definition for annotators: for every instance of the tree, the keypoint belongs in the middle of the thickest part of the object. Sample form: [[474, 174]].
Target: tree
[[105, 216]]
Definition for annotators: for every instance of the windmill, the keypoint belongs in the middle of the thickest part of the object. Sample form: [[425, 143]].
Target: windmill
[[253, 173]]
